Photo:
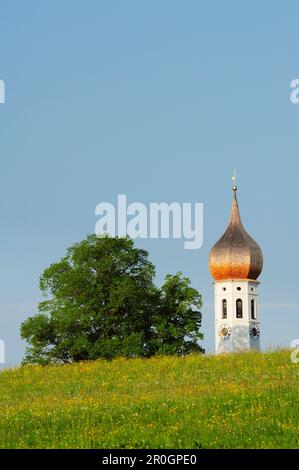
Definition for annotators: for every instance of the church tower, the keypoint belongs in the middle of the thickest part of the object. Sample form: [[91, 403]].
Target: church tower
[[236, 261]]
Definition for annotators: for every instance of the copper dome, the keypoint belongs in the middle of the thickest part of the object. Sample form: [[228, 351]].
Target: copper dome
[[236, 255]]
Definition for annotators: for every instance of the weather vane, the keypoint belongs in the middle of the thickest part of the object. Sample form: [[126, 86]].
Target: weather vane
[[234, 178]]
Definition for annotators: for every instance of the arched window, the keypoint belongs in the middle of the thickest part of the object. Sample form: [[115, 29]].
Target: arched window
[[224, 308], [253, 315], [239, 308]]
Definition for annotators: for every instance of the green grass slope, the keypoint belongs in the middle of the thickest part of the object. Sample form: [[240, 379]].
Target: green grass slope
[[247, 400]]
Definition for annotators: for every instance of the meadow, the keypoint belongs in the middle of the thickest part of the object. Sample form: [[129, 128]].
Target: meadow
[[247, 400]]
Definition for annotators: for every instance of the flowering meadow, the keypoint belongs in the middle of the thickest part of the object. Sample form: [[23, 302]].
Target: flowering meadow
[[246, 400]]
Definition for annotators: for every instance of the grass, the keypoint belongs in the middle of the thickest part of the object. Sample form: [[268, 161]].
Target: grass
[[247, 400]]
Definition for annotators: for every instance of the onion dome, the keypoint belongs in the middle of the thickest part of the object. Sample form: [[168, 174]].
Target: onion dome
[[236, 255]]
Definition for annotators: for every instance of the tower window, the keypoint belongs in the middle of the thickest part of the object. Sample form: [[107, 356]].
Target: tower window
[[223, 288], [239, 308], [238, 288], [224, 308], [253, 314]]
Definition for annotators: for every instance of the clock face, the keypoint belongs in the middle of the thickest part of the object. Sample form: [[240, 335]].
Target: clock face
[[224, 331], [254, 331]]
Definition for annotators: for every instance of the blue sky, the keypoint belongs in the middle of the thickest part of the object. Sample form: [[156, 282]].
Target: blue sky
[[160, 101]]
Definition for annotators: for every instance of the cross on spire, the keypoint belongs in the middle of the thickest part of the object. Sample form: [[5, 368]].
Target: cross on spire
[[234, 178]]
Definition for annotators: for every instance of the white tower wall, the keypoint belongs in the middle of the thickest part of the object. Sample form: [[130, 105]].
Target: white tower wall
[[233, 333]]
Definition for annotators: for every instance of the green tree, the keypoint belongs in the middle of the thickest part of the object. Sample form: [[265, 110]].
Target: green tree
[[179, 319], [100, 301]]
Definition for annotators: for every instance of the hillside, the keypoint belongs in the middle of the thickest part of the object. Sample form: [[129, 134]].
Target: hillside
[[247, 400]]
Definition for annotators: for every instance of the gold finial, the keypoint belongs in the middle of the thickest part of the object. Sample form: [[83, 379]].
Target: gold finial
[[234, 178]]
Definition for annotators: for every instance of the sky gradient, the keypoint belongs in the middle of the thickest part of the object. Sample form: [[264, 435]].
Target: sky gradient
[[158, 101]]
